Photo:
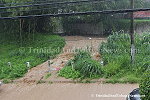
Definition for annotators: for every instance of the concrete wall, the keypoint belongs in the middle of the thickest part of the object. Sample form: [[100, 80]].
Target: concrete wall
[[94, 29], [142, 28], [85, 28]]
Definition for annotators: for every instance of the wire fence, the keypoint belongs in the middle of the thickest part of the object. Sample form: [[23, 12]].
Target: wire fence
[[25, 26], [111, 15], [77, 12]]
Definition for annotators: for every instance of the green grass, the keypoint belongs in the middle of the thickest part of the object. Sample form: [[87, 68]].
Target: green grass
[[81, 67], [116, 56], [6, 81], [117, 61], [69, 73], [126, 79], [40, 82], [142, 20], [123, 24], [88, 68], [35, 52], [145, 86], [138, 20]]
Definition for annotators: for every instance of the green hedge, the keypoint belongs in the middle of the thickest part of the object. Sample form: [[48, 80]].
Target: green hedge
[[145, 87]]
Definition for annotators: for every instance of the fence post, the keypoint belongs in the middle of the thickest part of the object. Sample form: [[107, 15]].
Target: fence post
[[28, 65], [9, 64], [49, 65], [72, 64]]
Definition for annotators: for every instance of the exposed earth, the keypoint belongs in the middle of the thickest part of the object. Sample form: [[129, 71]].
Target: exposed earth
[[58, 88]]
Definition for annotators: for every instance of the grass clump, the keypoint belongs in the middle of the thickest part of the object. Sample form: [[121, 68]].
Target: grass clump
[[40, 82], [6, 81], [69, 72], [88, 68], [127, 79], [47, 75], [80, 55], [82, 66]]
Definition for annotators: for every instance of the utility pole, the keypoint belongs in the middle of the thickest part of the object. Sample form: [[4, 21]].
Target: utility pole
[[132, 34]]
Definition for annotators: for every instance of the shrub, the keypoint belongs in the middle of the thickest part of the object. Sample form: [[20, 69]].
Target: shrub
[[81, 55], [111, 69], [88, 68], [69, 72], [117, 44], [82, 66], [145, 86], [117, 65]]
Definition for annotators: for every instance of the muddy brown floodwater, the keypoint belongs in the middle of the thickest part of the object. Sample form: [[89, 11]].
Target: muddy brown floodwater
[[26, 88], [65, 91]]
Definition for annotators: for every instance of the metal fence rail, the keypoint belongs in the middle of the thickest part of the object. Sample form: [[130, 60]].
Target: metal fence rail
[[79, 13]]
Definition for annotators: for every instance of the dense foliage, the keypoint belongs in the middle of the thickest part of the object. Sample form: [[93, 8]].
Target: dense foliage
[[69, 72], [88, 68], [82, 66], [35, 52], [45, 24], [145, 86], [116, 57], [117, 61], [116, 52]]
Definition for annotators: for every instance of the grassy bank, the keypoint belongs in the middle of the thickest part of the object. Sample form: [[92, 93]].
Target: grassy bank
[[117, 61], [13, 56], [117, 67]]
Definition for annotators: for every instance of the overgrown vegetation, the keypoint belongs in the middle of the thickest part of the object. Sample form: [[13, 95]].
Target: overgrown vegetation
[[82, 66], [88, 68], [45, 24], [21, 43], [69, 72], [116, 57], [14, 57], [117, 62], [145, 86]]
